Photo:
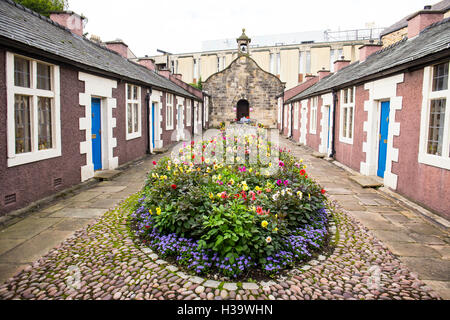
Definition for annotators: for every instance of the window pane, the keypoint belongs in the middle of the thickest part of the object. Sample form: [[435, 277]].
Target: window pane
[[130, 118], [129, 92], [136, 117], [43, 77], [351, 95], [22, 123], [440, 77], [45, 123], [308, 61], [344, 123], [21, 72], [436, 127], [135, 93], [346, 96]]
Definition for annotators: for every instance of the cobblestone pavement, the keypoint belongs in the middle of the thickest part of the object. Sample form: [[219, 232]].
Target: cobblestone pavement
[[100, 261]]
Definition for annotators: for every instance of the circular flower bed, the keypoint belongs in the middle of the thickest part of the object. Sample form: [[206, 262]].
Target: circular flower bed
[[216, 217]]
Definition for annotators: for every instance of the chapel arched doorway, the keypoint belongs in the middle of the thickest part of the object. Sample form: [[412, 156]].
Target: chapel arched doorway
[[242, 109]]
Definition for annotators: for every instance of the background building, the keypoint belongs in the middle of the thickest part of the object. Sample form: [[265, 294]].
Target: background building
[[288, 56]]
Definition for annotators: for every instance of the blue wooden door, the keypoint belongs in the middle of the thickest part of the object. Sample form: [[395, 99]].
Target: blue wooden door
[[153, 125], [96, 134], [384, 131]]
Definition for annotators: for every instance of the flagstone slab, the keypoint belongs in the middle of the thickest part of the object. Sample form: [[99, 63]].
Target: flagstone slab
[[366, 182], [412, 250], [72, 224], [85, 213], [28, 228], [105, 203], [429, 268], [8, 244], [397, 236], [85, 196], [32, 249], [427, 239], [109, 189], [8, 270]]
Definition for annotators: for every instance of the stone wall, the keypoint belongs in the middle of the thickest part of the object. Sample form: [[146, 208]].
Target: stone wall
[[243, 79], [394, 37]]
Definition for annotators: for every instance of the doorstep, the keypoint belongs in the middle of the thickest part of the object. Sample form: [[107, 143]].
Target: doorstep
[[106, 175], [367, 181]]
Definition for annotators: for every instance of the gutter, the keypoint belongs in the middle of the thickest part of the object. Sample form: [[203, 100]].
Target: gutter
[[34, 52]]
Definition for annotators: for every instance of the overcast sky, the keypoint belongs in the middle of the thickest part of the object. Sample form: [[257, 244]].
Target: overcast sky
[[179, 26]]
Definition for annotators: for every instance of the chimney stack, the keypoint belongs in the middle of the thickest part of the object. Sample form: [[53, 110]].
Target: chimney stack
[[165, 73], [323, 73], [368, 49], [148, 63], [70, 20], [340, 63], [118, 46], [422, 19]]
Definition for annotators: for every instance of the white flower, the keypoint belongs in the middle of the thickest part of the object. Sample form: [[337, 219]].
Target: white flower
[[268, 239]]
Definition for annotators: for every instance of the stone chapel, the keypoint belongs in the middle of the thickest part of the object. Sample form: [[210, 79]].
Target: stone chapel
[[243, 90]]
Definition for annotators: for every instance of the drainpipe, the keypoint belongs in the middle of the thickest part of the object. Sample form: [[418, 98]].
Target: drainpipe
[[282, 118], [335, 100], [147, 102]]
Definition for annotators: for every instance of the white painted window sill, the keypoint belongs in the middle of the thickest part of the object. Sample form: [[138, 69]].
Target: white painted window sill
[[25, 158]]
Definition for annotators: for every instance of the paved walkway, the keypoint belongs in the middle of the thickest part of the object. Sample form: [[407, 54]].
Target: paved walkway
[[26, 241], [424, 248], [421, 246]]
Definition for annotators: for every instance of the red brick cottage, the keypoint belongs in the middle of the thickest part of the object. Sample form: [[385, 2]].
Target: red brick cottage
[[70, 106], [388, 114]]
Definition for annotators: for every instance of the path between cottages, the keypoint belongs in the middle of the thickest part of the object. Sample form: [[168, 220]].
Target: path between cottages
[[108, 265]]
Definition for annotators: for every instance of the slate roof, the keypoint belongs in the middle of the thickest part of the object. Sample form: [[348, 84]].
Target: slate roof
[[443, 5], [26, 27], [431, 40]]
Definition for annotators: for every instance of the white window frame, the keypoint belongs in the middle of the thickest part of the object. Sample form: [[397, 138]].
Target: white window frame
[[428, 95], [349, 105], [296, 115], [138, 133], [188, 112], [313, 115], [169, 111], [35, 154]]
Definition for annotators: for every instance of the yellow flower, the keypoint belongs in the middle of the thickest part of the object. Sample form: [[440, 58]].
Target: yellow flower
[[250, 170], [275, 230], [245, 187], [211, 196], [257, 188], [158, 211], [168, 168], [264, 224], [150, 211], [231, 182]]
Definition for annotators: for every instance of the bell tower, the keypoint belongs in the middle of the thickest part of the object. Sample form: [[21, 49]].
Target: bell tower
[[243, 44]]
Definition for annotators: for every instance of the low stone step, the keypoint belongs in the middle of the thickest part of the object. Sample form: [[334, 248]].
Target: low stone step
[[107, 175], [318, 155], [366, 181], [160, 151]]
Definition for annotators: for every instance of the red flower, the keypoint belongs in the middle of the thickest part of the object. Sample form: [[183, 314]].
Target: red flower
[[323, 191], [154, 163], [192, 143], [147, 227], [193, 156], [203, 159], [302, 172], [174, 186], [237, 195], [259, 210]]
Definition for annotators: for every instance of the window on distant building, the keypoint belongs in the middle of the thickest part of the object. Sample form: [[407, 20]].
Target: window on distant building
[[133, 112], [278, 71], [301, 67], [335, 54], [224, 62], [308, 62], [218, 64], [313, 115], [347, 115], [169, 112], [195, 72], [435, 125], [272, 63], [33, 110]]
